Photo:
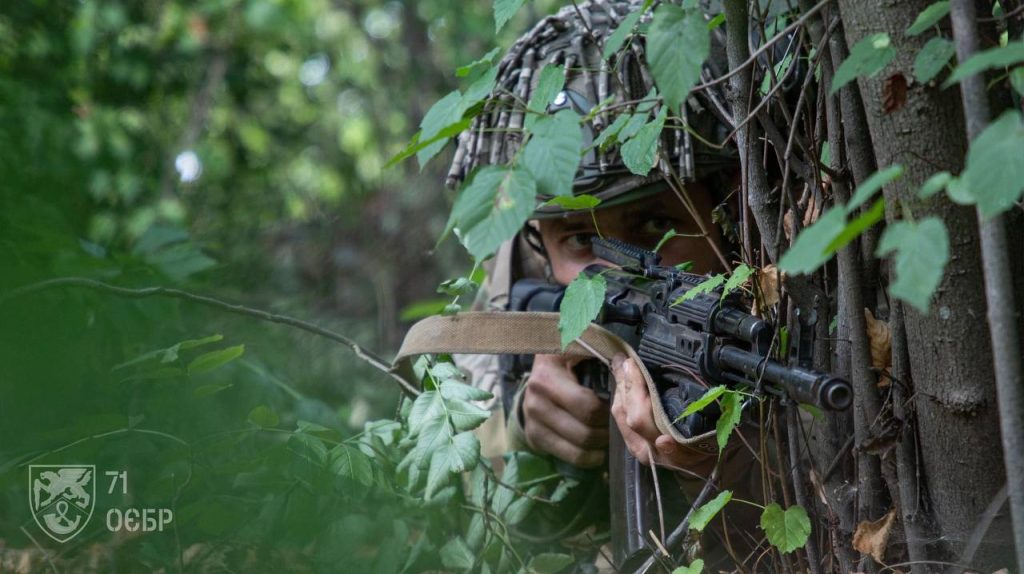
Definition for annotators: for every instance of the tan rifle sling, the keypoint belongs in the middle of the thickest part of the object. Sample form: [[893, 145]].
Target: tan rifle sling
[[530, 333]]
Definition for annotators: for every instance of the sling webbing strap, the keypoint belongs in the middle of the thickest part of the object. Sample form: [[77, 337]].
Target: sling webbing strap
[[529, 333]]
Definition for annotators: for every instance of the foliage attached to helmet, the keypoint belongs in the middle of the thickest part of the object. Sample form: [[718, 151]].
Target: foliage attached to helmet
[[596, 105]]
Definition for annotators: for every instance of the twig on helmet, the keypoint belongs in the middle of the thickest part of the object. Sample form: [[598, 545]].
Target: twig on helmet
[[680, 190], [764, 47], [366, 355], [585, 22]]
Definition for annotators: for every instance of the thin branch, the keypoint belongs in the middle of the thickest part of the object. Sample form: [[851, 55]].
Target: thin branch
[[684, 527], [764, 48], [370, 357], [1002, 309]]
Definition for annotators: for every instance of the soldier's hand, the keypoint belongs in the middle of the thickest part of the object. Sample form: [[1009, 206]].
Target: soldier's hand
[[562, 417], [634, 416]]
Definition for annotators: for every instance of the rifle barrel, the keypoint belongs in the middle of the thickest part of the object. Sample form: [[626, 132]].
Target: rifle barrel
[[802, 385]]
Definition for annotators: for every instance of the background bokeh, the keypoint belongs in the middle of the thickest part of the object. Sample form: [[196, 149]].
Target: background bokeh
[[234, 148]]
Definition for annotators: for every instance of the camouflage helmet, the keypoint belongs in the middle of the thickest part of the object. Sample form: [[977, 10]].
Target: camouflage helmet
[[574, 37]]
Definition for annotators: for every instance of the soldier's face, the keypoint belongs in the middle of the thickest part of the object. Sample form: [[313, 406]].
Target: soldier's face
[[642, 223]]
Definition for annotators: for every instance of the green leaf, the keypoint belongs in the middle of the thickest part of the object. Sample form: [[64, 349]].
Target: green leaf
[[807, 253], [435, 144], [921, 253], [706, 286], [504, 10], [444, 371], [193, 343], [210, 361], [582, 302], [427, 408], [475, 199], [618, 37], [458, 286], [433, 435], [465, 416], [574, 202], [640, 152], [609, 135], [452, 390], [456, 455], [457, 554], [814, 411], [264, 417], [442, 114], [677, 45], [703, 515], [483, 62], [867, 57], [706, 399], [513, 204], [780, 72], [1017, 80], [935, 184], [994, 175], [520, 509], [871, 185], [717, 21], [478, 90], [553, 152], [563, 489], [168, 354], [928, 17], [857, 226], [550, 82], [698, 565], [351, 463], [207, 390], [732, 410], [998, 57], [932, 58], [787, 530], [549, 563], [738, 278]]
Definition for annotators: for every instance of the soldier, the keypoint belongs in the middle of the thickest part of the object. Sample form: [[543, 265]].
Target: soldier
[[545, 409]]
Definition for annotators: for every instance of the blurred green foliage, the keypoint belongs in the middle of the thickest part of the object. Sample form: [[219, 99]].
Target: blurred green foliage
[[233, 148]]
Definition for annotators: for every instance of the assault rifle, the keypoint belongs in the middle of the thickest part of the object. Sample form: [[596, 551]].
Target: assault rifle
[[706, 335]]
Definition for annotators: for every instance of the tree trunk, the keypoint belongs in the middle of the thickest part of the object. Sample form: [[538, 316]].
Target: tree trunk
[[949, 349]]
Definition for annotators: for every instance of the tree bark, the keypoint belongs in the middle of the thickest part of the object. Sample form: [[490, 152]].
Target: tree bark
[[949, 348], [1002, 308]]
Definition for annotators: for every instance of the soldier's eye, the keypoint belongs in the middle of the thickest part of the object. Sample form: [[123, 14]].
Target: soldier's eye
[[660, 225], [579, 241]]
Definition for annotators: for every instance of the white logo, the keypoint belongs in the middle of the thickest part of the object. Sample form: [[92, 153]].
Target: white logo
[[61, 498]]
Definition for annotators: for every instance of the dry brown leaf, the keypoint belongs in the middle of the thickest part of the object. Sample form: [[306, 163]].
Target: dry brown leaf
[[881, 346], [812, 212], [872, 537], [788, 225], [768, 279]]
